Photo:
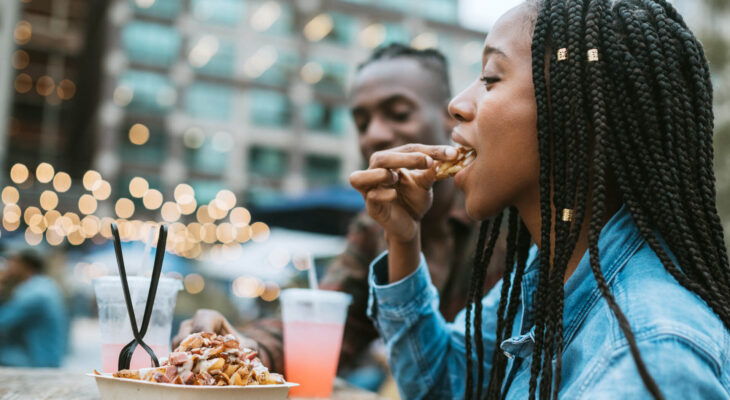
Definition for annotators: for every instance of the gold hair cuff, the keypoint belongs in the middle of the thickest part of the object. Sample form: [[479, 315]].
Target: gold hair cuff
[[562, 54], [568, 214], [592, 55]]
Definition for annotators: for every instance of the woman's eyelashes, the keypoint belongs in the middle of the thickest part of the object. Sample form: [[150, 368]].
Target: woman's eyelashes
[[489, 80]]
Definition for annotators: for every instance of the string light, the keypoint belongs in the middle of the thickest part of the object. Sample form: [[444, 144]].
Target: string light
[[103, 190], [21, 59], [152, 199], [259, 232], [139, 134], [44, 172], [10, 195], [23, 83], [62, 182], [29, 213], [18, 173], [194, 283], [90, 179], [124, 208], [45, 85], [138, 186], [12, 213], [87, 204], [240, 216], [32, 238], [202, 215], [170, 211], [49, 200], [66, 89], [225, 200], [271, 291]]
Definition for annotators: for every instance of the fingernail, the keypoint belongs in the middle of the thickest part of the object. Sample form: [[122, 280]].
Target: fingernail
[[429, 161], [395, 176], [450, 152]]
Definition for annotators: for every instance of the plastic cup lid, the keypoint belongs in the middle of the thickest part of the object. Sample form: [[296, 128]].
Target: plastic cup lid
[[325, 296]]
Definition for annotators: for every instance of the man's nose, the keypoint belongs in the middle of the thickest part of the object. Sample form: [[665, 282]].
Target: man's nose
[[379, 135]]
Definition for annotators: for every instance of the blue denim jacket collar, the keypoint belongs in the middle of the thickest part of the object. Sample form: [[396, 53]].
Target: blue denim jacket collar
[[618, 240]]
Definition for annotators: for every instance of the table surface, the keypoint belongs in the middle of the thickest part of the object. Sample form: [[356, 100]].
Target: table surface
[[25, 383]]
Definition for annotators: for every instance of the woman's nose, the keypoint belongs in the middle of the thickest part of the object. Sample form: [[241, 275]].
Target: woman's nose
[[462, 107]]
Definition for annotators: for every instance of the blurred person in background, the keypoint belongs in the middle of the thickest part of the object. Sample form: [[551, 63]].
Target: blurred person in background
[[400, 95], [33, 320]]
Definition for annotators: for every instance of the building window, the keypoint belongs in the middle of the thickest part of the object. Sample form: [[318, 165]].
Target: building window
[[165, 9], [218, 12], [145, 92], [209, 101], [322, 170], [268, 162], [212, 55], [209, 158], [150, 43], [325, 118], [269, 109]]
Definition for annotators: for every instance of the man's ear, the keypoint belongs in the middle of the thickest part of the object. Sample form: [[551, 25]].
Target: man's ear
[[448, 122]]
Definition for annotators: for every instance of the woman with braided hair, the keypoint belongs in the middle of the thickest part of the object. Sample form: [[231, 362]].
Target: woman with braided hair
[[592, 128]]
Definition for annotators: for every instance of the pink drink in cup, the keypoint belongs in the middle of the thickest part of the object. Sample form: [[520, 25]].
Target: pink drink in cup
[[313, 326], [114, 325]]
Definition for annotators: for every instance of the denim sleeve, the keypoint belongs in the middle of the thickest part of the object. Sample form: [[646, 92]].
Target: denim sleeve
[[426, 354], [681, 369]]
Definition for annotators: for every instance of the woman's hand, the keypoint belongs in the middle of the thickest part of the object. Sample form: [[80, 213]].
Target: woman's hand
[[397, 192], [397, 187]]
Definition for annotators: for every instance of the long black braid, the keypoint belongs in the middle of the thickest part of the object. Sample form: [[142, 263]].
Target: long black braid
[[637, 122]]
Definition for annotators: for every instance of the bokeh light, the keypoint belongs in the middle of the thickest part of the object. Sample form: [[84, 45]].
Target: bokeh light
[[29, 213], [202, 215], [139, 134], [49, 200], [170, 211], [124, 208], [152, 199], [33, 238], [66, 89], [271, 291], [23, 32], [62, 182], [194, 283], [248, 286], [87, 204], [10, 195], [18, 173], [279, 257], [259, 232], [102, 190], [45, 85], [90, 179], [23, 83], [21, 59], [44, 172], [138, 186]]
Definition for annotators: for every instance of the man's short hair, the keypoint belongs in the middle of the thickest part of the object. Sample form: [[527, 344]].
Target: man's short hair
[[430, 59], [31, 260]]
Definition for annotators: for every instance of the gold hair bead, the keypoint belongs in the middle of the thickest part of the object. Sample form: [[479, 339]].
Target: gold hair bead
[[568, 214], [592, 55], [562, 54]]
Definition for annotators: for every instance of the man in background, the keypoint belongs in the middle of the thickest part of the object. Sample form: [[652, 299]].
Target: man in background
[[33, 320], [400, 95]]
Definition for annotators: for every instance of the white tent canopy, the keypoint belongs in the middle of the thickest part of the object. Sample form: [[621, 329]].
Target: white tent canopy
[[267, 260]]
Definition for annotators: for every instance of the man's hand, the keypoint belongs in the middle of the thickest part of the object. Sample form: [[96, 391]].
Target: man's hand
[[210, 321]]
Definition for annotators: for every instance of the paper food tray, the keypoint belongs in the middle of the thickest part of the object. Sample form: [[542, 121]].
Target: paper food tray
[[111, 388]]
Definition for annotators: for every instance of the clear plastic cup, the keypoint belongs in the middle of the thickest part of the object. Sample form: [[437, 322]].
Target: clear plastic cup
[[114, 324], [314, 321]]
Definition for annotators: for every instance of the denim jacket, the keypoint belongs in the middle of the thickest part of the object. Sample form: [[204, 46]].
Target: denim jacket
[[682, 342]]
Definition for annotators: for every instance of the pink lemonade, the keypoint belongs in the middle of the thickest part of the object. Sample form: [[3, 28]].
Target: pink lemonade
[[311, 352], [140, 358]]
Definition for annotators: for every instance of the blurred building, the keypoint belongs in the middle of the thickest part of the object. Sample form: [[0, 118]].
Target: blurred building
[[250, 95]]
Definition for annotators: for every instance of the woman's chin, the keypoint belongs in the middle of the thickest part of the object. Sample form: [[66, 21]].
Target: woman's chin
[[480, 210]]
